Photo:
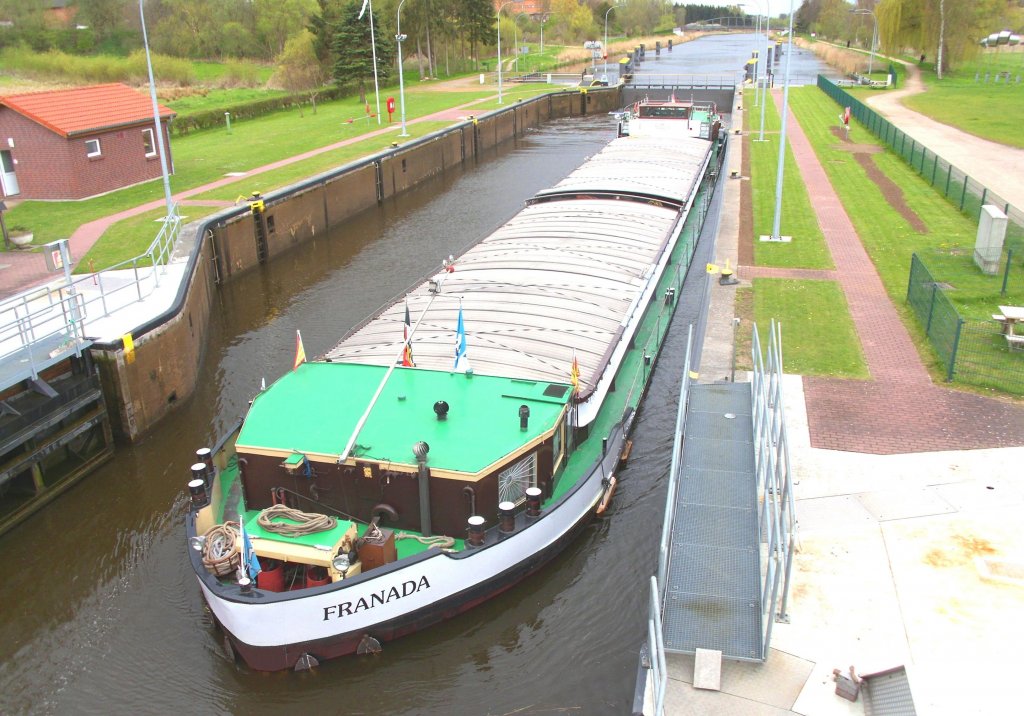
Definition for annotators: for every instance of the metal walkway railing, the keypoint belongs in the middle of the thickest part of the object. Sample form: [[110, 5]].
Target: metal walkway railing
[[42, 326], [725, 557], [777, 518]]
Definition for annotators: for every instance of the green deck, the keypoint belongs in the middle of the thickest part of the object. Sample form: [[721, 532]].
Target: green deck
[[315, 408]]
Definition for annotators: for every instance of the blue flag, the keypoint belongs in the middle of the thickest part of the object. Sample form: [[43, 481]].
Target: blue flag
[[249, 559], [461, 359]]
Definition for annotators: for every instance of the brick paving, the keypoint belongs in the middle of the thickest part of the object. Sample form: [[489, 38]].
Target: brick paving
[[900, 410]]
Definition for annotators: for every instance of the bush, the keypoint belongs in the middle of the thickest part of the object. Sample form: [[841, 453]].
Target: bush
[[240, 74], [60, 66], [211, 118]]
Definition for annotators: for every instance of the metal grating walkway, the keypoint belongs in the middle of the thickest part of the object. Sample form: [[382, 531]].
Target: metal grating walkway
[[712, 599]]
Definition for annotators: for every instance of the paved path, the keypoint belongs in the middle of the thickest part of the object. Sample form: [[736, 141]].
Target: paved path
[[22, 270], [900, 410], [993, 165]]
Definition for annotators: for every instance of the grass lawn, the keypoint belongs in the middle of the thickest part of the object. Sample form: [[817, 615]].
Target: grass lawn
[[203, 157], [947, 247], [808, 249], [131, 237], [986, 109], [264, 182], [214, 98], [818, 335]]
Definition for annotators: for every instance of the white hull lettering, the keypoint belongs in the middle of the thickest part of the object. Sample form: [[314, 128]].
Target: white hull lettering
[[337, 611]]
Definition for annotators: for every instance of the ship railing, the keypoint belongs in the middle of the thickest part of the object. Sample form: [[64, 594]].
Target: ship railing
[[777, 519]]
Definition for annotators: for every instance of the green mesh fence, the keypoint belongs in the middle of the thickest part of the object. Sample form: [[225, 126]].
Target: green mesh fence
[[973, 352], [964, 192]]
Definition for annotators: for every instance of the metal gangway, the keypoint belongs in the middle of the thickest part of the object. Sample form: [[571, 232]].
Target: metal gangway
[[726, 552]]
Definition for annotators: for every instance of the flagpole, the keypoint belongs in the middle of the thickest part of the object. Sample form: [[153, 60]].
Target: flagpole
[[373, 47], [380, 388]]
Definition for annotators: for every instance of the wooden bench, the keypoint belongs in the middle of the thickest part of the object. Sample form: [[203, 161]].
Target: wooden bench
[[1015, 343]]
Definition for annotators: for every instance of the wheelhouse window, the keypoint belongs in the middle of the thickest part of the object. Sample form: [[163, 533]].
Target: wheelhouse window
[[513, 480], [92, 148], [148, 143]]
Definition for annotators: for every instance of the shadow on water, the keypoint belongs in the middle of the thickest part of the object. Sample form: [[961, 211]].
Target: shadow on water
[[101, 610]]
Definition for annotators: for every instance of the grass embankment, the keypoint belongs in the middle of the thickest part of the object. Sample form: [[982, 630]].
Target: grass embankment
[[947, 245], [818, 332], [989, 109], [807, 249], [204, 157]]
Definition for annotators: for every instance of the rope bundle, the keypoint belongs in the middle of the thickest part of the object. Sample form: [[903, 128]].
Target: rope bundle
[[220, 557], [309, 522]]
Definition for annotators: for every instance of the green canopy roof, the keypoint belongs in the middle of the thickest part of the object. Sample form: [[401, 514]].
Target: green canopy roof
[[314, 409]]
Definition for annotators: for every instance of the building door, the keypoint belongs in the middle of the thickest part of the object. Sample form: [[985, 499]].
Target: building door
[[7, 177]]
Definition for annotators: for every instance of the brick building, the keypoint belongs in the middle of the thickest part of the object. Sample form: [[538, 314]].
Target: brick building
[[530, 7], [77, 143]]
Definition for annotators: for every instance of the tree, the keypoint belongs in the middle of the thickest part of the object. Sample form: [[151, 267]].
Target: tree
[[322, 25], [278, 20], [104, 17], [299, 69], [353, 51]]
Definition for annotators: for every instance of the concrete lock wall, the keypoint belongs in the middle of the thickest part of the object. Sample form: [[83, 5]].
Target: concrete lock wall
[[144, 387]]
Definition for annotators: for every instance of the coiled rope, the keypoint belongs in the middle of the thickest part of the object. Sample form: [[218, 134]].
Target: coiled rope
[[309, 522], [219, 554]]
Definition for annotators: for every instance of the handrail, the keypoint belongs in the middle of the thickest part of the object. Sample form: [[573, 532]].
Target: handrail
[[656, 650], [777, 519], [61, 308]]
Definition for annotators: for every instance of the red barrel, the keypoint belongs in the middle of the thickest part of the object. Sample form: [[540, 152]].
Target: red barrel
[[271, 576], [317, 576]]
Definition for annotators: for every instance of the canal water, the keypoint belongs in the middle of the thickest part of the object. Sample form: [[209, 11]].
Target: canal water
[[99, 610]]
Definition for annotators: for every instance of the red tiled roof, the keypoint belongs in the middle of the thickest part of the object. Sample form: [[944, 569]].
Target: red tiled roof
[[85, 109]]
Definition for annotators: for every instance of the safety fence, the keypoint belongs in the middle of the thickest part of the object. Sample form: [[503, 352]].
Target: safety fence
[[42, 326], [967, 194], [983, 353], [777, 524]]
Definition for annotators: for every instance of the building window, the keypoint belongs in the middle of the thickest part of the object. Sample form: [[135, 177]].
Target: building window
[[148, 143], [513, 481], [92, 148]]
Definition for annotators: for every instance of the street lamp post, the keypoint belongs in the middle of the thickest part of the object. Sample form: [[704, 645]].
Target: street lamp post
[[399, 38], [515, 35], [500, 8], [542, 21], [782, 135], [604, 48], [874, 34], [764, 73], [156, 120]]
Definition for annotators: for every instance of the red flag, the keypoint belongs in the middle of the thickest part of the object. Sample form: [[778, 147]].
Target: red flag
[[300, 352], [407, 353], [846, 116]]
